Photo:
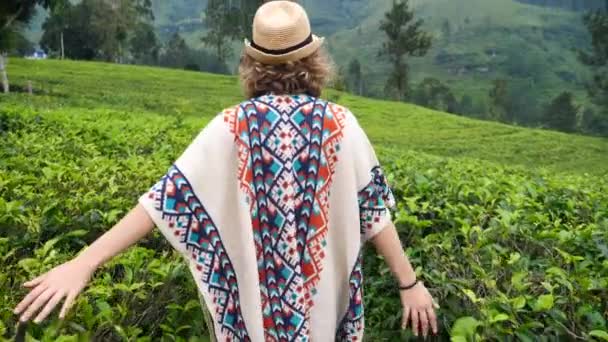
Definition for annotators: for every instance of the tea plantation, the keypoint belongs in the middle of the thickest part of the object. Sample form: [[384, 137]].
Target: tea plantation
[[507, 226]]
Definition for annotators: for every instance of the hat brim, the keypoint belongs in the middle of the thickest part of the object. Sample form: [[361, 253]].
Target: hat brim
[[295, 55]]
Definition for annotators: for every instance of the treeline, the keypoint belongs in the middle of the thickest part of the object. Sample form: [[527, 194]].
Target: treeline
[[119, 31], [573, 5]]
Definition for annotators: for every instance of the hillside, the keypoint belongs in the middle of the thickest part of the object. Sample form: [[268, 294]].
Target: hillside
[[392, 125], [508, 227], [470, 49], [530, 46]]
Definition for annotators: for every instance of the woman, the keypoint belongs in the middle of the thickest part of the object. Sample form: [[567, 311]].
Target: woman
[[270, 206]]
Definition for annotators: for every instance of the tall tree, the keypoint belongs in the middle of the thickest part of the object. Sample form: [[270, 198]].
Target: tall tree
[[597, 59], [247, 11], [499, 97], [14, 15], [21, 11], [355, 77], [434, 94], [110, 30], [560, 114], [222, 21], [145, 47], [404, 37]]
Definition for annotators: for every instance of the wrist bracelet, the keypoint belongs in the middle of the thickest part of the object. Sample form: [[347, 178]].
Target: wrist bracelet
[[407, 287]]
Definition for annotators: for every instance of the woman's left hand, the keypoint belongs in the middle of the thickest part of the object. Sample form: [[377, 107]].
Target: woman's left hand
[[419, 308]]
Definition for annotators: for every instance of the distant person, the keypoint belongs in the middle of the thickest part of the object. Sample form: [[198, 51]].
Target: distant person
[[270, 205]]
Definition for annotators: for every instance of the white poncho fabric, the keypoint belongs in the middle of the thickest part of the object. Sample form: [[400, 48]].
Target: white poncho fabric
[[270, 205]]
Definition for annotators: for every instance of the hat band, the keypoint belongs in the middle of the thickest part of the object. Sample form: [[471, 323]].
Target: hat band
[[282, 51]]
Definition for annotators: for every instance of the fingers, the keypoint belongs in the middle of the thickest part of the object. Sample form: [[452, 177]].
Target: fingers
[[424, 322], [405, 318], [43, 298], [67, 304], [432, 320], [49, 306], [415, 322], [29, 298], [435, 305], [35, 281]]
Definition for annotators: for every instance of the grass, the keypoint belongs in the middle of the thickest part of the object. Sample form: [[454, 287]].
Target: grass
[[85, 86]]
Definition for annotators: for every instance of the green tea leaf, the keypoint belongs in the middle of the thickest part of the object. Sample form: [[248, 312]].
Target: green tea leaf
[[600, 334], [544, 303], [465, 327]]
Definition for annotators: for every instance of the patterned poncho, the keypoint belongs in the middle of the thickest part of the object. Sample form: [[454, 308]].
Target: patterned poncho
[[270, 205]]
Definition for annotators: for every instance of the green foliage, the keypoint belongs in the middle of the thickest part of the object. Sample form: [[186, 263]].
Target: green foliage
[[354, 77], [16, 15], [177, 54], [102, 30], [597, 59], [507, 250], [434, 94], [561, 113], [222, 21], [14, 12], [500, 100]]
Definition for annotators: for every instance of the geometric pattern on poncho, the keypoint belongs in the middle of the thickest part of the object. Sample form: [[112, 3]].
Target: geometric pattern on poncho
[[288, 149], [187, 217], [374, 199], [352, 324]]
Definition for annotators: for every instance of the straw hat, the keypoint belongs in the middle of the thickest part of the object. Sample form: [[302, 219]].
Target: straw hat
[[281, 33]]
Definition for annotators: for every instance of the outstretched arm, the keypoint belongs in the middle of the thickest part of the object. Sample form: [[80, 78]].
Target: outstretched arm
[[130, 229], [68, 279], [418, 305]]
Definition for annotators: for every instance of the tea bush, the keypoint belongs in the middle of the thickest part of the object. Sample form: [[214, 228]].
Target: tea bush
[[140, 90], [510, 252]]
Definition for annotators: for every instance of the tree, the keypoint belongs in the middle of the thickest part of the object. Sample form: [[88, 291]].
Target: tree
[[109, 30], [340, 82], [499, 99], [597, 58], [14, 15], [22, 11], [355, 78], [446, 28], [560, 114], [144, 44], [404, 37], [247, 11], [177, 54], [222, 21], [434, 94], [466, 106]]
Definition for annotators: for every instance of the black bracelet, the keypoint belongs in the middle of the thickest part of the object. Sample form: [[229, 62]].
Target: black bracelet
[[407, 287]]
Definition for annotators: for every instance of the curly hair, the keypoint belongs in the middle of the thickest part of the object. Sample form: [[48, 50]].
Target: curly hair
[[308, 75]]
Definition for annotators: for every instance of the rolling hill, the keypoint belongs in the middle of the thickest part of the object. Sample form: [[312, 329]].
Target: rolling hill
[[399, 126], [531, 46]]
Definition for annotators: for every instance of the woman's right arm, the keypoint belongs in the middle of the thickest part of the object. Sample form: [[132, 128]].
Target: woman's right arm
[[68, 279]]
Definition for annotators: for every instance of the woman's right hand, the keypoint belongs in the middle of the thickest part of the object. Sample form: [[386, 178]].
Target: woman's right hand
[[66, 280]]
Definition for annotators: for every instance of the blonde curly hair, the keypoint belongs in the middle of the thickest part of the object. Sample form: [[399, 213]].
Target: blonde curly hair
[[308, 75]]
